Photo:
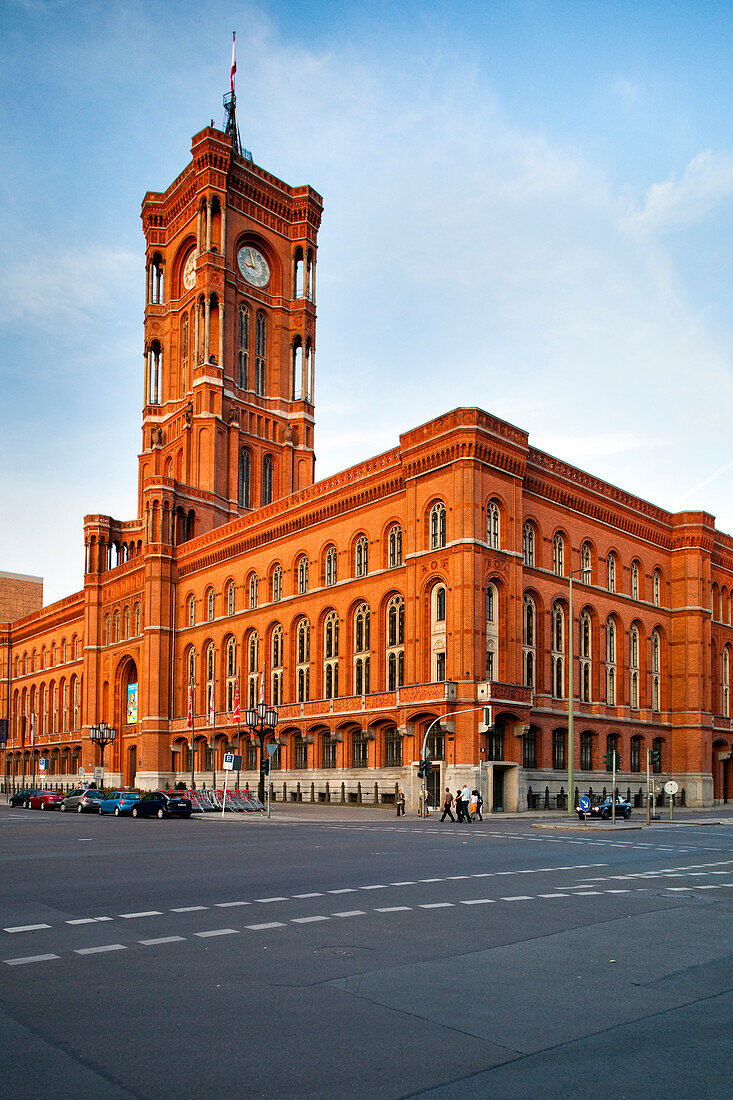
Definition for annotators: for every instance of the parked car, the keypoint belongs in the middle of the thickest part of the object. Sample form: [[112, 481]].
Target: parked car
[[119, 802], [162, 804], [22, 797], [83, 800], [602, 808], [46, 800]]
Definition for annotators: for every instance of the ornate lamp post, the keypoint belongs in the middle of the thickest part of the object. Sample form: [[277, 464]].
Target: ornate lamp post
[[102, 735], [261, 721]]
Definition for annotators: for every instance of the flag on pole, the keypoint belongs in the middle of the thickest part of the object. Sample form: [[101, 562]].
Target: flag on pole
[[190, 706], [33, 728], [234, 60], [212, 712], [236, 713], [262, 682]]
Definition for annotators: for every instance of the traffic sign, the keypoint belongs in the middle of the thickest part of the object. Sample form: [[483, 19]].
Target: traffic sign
[[671, 787], [42, 765], [272, 749], [584, 803], [228, 761]]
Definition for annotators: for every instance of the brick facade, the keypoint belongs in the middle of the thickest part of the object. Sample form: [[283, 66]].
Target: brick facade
[[422, 585]]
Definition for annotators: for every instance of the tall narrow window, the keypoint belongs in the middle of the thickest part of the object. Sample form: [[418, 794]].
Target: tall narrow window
[[245, 478], [253, 591], [331, 566], [726, 683], [557, 628], [634, 667], [656, 670], [656, 588], [492, 632], [658, 745], [635, 580], [330, 656], [586, 752], [184, 354], [276, 584], [437, 526], [437, 633], [231, 598], [529, 642], [210, 605], [395, 643], [276, 673], [559, 749], [361, 649], [267, 472], [493, 525], [612, 742], [585, 656], [395, 546], [611, 572], [361, 557], [558, 555], [302, 575], [243, 356], [191, 610], [260, 354], [586, 561], [635, 754], [303, 645], [528, 545], [611, 662], [253, 664], [210, 666]]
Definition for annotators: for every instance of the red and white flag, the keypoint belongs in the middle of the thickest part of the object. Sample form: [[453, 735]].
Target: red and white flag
[[236, 712], [234, 60], [262, 682], [212, 711], [190, 706]]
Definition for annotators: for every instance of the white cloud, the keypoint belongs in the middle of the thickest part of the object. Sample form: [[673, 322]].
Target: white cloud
[[676, 203]]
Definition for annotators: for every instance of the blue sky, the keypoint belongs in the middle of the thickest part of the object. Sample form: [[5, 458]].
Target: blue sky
[[528, 207]]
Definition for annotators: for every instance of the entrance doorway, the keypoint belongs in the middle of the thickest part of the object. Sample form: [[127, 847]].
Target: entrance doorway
[[497, 791], [434, 788], [131, 766]]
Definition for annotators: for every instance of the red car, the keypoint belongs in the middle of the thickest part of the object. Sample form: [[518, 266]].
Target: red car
[[46, 800]]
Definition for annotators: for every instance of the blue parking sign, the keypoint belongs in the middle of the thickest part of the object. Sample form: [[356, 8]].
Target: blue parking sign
[[584, 802]]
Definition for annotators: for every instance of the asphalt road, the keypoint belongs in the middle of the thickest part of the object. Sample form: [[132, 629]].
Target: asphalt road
[[363, 956]]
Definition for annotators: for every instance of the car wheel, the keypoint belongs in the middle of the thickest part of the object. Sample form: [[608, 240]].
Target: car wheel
[[80, 809], [26, 805], [117, 811], [63, 808], [161, 813], [42, 806], [135, 811], [99, 809], [627, 815]]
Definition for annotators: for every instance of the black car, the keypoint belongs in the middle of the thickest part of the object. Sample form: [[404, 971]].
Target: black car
[[603, 808], [162, 804], [22, 798]]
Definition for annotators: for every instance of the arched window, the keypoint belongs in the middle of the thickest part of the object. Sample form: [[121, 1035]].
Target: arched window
[[558, 555], [210, 605], [437, 526], [493, 525], [243, 357], [65, 707], [657, 746], [276, 658], [210, 667], [528, 545], [245, 478], [635, 580], [260, 354], [231, 674], [437, 633], [331, 575], [75, 702], [361, 650], [302, 575], [611, 572], [395, 546], [231, 598], [635, 755], [585, 656], [726, 682], [557, 630], [184, 354], [253, 591], [612, 741], [330, 655], [303, 646], [253, 664], [656, 588], [137, 619], [126, 633], [586, 562], [361, 557], [529, 619], [395, 643], [656, 670], [492, 632], [634, 667], [276, 584], [611, 662], [117, 626], [267, 478], [191, 610]]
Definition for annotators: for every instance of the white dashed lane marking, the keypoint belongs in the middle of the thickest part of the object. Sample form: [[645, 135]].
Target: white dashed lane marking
[[438, 905], [30, 959], [134, 916], [351, 913], [479, 901], [27, 928], [190, 909], [262, 927], [162, 939], [390, 909], [308, 920], [100, 950], [217, 932], [230, 904], [265, 901]]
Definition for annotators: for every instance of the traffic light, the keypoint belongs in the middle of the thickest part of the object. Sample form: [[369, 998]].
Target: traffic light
[[428, 769], [424, 769], [609, 759], [265, 767], [655, 756]]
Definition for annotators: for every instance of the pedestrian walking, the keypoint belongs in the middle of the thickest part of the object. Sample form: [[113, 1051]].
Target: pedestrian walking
[[465, 799], [472, 806], [479, 804], [458, 805], [400, 800], [447, 804]]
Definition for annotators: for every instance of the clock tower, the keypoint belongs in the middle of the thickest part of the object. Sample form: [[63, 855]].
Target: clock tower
[[229, 357]]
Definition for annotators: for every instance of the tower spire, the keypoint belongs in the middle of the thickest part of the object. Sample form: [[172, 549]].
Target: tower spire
[[230, 106]]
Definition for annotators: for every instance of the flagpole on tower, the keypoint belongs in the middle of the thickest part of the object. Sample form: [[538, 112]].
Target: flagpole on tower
[[230, 106]]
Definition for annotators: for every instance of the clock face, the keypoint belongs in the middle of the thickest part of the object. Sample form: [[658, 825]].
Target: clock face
[[189, 272], [254, 266]]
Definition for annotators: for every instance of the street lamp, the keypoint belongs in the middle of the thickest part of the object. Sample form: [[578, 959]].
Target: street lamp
[[583, 573], [261, 721], [102, 735]]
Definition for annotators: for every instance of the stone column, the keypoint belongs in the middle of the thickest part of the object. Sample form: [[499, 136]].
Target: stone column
[[208, 224], [199, 216], [221, 334], [207, 326]]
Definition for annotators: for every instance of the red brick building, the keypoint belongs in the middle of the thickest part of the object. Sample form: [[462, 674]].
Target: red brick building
[[423, 585]]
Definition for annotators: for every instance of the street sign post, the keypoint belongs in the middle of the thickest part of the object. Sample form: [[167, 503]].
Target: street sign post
[[671, 788], [232, 762], [271, 750], [584, 803]]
